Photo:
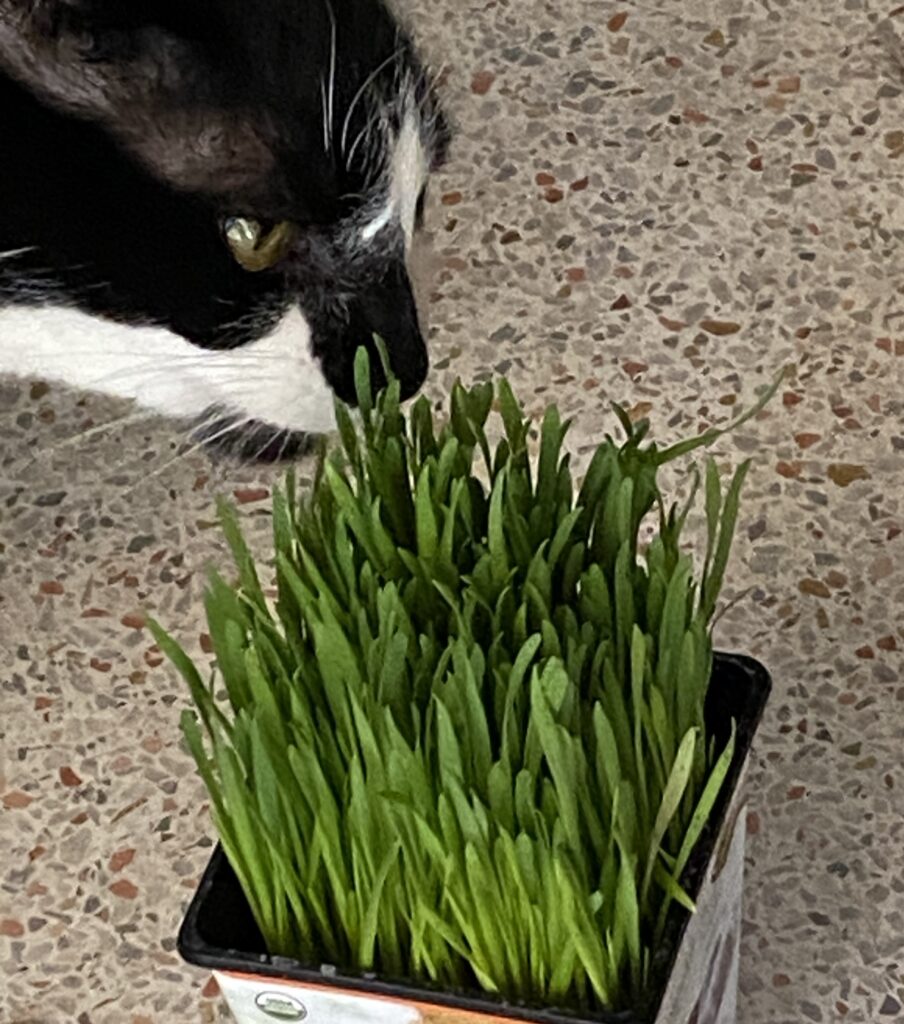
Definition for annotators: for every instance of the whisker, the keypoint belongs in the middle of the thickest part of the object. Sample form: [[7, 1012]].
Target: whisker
[[428, 96], [260, 451], [331, 93], [282, 448], [200, 358], [326, 125], [12, 253], [367, 135], [371, 78], [81, 436], [126, 420], [228, 372], [233, 374], [185, 453]]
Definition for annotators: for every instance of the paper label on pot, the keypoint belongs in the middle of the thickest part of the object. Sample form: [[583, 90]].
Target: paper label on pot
[[704, 982], [262, 1001]]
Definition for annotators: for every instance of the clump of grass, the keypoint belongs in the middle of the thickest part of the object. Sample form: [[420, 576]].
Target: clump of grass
[[467, 746]]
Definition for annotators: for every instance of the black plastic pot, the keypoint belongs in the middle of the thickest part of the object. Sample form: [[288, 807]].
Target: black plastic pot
[[219, 932]]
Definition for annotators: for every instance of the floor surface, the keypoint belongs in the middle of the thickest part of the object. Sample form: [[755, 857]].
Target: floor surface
[[658, 203]]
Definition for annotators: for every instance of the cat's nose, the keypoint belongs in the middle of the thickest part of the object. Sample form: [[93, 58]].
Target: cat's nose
[[387, 309]]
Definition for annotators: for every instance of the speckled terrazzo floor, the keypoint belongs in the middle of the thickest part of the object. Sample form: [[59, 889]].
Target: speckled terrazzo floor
[[660, 204]]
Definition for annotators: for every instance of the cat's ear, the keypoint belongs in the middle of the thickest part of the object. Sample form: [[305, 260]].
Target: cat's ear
[[102, 61], [61, 49]]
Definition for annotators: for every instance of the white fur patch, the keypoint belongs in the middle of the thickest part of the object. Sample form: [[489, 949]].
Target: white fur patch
[[275, 380], [379, 222], [409, 172], [407, 175]]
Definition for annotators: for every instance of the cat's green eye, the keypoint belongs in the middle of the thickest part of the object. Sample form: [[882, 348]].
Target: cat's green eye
[[253, 248]]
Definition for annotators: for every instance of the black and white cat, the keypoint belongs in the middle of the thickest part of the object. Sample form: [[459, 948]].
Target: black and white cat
[[209, 204]]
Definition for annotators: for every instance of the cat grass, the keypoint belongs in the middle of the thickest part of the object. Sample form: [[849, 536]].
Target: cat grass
[[465, 745]]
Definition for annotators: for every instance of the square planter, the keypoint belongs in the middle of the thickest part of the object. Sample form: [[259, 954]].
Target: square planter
[[695, 974]]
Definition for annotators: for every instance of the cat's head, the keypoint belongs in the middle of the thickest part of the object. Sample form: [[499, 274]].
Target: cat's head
[[245, 177]]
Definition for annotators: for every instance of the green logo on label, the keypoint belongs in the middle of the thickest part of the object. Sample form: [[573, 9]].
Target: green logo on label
[[280, 1006]]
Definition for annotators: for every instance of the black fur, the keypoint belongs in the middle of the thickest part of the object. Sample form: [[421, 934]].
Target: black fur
[[184, 112], [111, 238]]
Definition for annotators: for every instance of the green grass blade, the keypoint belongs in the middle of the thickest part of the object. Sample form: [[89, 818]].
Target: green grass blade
[[668, 807]]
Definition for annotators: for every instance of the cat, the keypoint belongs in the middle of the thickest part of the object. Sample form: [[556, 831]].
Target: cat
[[207, 206]]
